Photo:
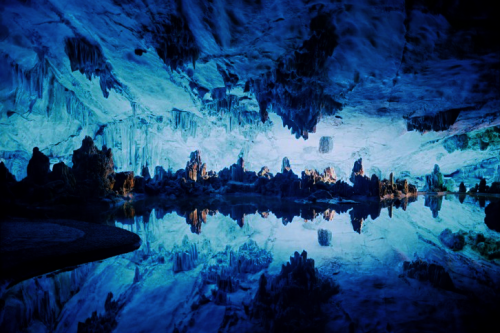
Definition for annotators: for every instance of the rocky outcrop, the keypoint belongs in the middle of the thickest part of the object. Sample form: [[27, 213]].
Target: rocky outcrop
[[194, 166], [462, 188], [124, 182], [62, 172], [357, 170], [483, 187], [93, 168], [492, 218], [238, 170], [291, 301], [434, 182], [285, 165], [5, 176], [38, 167]]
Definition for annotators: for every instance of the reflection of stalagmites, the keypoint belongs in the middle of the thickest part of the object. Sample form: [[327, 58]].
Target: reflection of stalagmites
[[291, 301], [251, 258], [329, 214], [324, 237], [195, 220], [105, 322], [38, 167], [434, 203], [285, 165], [325, 144], [423, 271], [187, 258], [137, 275], [227, 283], [219, 297]]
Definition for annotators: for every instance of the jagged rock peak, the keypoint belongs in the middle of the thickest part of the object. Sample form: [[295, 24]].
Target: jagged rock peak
[[285, 165], [357, 169], [93, 168], [38, 167]]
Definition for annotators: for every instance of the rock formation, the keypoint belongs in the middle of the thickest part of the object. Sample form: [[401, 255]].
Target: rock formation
[[285, 165], [124, 182], [93, 168], [492, 218], [434, 182], [357, 170], [38, 167], [291, 301]]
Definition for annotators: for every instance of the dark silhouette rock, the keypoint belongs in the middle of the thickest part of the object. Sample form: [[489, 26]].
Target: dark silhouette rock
[[492, 218], [482, 186], [462, 188], [357, 170], [291, 301], [61, 171], [93, 168], [38, 167], [124, 182], [5, 176], [285, 165], [139, 184], [238, 170], [145, 173]]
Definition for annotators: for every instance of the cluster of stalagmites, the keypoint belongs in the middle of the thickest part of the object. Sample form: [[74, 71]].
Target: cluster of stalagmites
[[93, 176], [291, 301], [195, 180]]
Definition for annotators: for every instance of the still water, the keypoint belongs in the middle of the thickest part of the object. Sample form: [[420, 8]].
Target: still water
[[170, 284]]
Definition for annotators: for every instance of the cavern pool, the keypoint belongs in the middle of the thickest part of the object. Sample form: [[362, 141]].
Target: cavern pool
[[366, 259]]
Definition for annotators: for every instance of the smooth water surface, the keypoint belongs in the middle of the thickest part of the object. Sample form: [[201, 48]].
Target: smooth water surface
[[167, 284]]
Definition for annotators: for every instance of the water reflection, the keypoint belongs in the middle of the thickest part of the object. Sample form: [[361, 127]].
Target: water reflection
[[194, 272], [195, 211]]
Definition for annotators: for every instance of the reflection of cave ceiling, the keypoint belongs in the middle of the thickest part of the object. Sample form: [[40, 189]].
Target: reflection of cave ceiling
[[150, 78]]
